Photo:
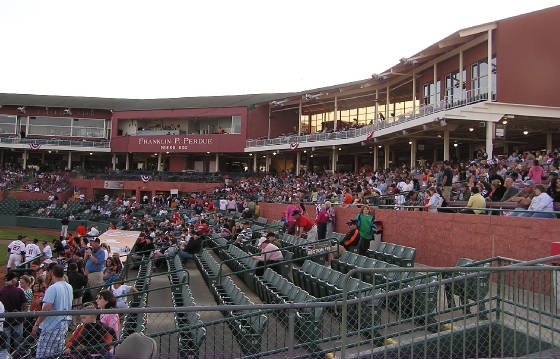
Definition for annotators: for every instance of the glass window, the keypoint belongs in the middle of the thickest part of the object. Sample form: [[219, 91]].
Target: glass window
[[235, 124], [8, 124]]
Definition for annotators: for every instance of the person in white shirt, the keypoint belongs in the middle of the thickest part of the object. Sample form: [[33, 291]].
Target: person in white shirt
[[118, 290], [106, 198], [93, 231], [223, 204], [541, 202], [16, 249], [47, 251], [32, 250]]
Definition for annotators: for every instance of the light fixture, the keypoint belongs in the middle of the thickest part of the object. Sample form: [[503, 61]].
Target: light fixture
[[91, 153], [155, 154], [274, 153], [250, 154], [304, 151], [264, 156], [311, 156], [207, 153], [379, 146], [439, 136], [67, 112], [50, 151], [455, 145], [504, 122], [471, 129], [340, 148], [525, 132], [410, 142], [167, 152]]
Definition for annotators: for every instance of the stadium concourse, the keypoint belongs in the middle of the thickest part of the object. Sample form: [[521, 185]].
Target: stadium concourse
[[411, 214]]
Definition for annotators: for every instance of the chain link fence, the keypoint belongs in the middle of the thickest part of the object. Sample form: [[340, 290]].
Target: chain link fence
[[495, 308]]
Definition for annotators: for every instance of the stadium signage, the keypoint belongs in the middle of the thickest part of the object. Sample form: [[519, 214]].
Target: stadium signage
[[174, 143]]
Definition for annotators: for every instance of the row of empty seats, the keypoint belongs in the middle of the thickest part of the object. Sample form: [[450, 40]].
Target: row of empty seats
[[394, 253], [136, 322]]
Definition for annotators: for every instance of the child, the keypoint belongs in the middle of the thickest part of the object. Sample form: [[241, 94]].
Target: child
[[88, 337]]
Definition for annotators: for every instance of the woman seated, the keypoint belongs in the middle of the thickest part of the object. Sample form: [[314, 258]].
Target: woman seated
[[88, 338], [270, 254]]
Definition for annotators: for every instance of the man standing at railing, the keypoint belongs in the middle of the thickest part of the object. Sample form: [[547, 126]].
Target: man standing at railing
[[447, 181], [95, 263]]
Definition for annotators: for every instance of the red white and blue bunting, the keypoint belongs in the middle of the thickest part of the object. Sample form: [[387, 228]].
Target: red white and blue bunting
[[369, 136], [34, 146], [145, 179], [294, 146]]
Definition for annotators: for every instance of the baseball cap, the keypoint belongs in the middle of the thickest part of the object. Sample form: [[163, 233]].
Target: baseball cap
[[351, 222], [529, 183]]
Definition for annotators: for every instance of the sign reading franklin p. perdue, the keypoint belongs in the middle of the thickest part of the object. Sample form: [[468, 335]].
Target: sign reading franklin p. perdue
[[175, 142]]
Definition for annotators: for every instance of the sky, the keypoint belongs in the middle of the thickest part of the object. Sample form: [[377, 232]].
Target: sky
[[154, 49]]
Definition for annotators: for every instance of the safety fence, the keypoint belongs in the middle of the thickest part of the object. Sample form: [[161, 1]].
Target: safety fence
[[493, 308]]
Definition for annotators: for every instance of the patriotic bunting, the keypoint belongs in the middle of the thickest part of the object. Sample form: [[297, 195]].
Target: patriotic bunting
[[145, 179], [34, 146], [369, 136], [294, 146]]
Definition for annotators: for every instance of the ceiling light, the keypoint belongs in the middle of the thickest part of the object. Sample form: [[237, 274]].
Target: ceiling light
[[340, 148], [379, 146], [274, 153], [250, 154], [504, 122], [439, 136], [91, 153], [455, 145], [471, 129], [525, 132], [207, 153], [167, 152], [410, 142], [50, 151], [304, 151], [311, 156]]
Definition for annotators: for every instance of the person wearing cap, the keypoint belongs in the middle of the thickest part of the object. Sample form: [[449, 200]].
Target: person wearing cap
[[95, 263], [270, 254], [32, 250], [304, 224], [352, 237], [523, 199], [14, 300], [16, 249], [447, 181]]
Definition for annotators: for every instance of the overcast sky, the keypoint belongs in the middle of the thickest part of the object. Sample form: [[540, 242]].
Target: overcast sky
[[147, 49]]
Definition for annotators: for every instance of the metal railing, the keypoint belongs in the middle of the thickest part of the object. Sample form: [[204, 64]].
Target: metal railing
[[56, 142], [447, 103]]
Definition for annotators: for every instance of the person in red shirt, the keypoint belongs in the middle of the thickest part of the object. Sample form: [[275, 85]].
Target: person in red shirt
[[304, 224], [81, 230], [347, 198]]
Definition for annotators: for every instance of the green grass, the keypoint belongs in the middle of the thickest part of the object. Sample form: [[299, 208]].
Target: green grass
[[3, 254], [8, 234]]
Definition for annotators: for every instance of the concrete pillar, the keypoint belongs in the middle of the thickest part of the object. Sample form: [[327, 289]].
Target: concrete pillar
[[267, 162], [298, 162], [461, 79], [548, 142], [333, 159], [114, 160], [375, 158], [83, 161], [489, 139], [413, 154], [489, 69], [335, 112], [217, 164], [376, 107], [386, 154], [159, 162], [69, 166], [436, 99], [387, 106], [24, 159], [446, 144], [255, 168], [127, 162], [269, 115], [413, 94], [356, 163]]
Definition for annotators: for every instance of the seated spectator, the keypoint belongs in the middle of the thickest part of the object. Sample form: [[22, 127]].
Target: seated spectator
[[497, 190], [270, 254], [120, 291], [93, 231], [89, 334], [540, 202], [106, 300], [523, 199], [510, 191], [476, 201], [192, 247]]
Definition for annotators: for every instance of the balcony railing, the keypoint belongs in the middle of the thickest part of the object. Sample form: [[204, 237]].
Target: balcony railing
[[54, 142], [447, 103]]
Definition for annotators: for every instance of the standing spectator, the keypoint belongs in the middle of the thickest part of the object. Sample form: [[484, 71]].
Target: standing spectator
[[332, 218], [322, 221], [290, 220], [366, 225], [53, 329], [536, 173], [447, 181], [81, 230], [304, 224], [46, 250], [16, 249], [32, 250], [14, 300], [95, 263], [64, 227], [78, 281]]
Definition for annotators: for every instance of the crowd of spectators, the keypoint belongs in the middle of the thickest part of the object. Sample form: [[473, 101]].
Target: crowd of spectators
[[48, 182], [10, 178]]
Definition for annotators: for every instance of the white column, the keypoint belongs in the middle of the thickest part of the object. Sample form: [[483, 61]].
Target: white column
[[489, 135], [159, 162], [298, 162], [333, 159], [299, 119], [446, 144], [435, 85], [376, 105], [387, 105], [413, 94], [269, 115], [461, 79], [127, 163], [386, 154], [356, 163], [267, 162], [24, 159], [255, 163], [375, 158], [549, 142], [114, 161], [69, 167], [217, 164], [489, 68], [413, 154], [335, 112]]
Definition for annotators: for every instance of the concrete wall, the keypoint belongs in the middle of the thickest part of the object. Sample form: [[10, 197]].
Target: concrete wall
[[26, 196], [441, 239]]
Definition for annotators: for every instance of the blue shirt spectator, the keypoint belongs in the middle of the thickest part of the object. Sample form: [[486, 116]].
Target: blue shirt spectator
[[91, 267], [60, 296]]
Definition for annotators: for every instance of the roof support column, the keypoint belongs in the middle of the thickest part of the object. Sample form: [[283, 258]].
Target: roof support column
[[489, 67], [255, 163], [217, 164], [333, 159], [267, 162], [446, 144], [489, 139], [413, 94], [436, 100], [386, 154], [159, 162], [299, 119], [298, 162], [548, 143], [24, 159], [387, 105], [461, 79], [1, 157], [413, 154], [114, 161], [356, 163], [375, 158], [127, 162], [376, 107], [335, 112], [69, 166]]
